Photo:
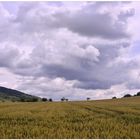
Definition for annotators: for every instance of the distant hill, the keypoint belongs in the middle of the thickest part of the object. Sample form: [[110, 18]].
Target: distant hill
[[7, 94]]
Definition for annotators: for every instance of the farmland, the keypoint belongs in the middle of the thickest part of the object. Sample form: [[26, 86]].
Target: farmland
[[115, 118]]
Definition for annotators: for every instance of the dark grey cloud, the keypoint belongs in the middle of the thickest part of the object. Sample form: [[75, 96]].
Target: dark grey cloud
[[90, 74], [125, 14], [93, 84], [8, 56], [95, 24], [88, 21]]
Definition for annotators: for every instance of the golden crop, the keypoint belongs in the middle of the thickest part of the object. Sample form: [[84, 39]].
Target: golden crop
[[118, 118]]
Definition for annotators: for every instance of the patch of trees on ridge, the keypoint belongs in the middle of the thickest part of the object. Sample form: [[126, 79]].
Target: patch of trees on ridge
[[36, 100], [45, 100], [128, 95]]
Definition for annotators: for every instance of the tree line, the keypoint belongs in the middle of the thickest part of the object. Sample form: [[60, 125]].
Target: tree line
[[128, 95], [63, 99]]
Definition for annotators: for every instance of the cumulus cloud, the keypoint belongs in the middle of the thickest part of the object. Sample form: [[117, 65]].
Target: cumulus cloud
[[8, 54], [70, 49]]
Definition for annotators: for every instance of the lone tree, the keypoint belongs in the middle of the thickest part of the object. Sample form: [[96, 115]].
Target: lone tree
[[127, 95], [50, 100], [44, 99], [88, 98], [114, 97], [66, 100], [62, 99]]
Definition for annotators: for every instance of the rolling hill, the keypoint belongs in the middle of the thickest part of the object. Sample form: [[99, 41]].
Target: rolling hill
[[7, 94]]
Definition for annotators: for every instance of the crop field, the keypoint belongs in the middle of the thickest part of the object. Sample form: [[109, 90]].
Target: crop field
[[115, 118]]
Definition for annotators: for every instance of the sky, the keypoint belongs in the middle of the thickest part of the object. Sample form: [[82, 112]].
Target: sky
[[70, 49]]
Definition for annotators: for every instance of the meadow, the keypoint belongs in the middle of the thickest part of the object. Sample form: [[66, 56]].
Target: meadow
[[114, 118]]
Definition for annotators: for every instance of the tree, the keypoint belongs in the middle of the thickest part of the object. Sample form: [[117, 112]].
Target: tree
[[50, 100], [44, 99], [22, 100], [114, 97], [67, 100], [127, 95], [62, 99], [138, 94], [88, 98], [34, 100]]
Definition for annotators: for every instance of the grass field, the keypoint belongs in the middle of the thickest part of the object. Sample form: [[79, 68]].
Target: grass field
[[118, 118]]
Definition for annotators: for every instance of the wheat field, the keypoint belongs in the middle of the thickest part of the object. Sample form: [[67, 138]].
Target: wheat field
[[118, 118]]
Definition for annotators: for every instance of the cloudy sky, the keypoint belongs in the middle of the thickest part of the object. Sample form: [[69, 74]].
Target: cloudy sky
[[70, 49]]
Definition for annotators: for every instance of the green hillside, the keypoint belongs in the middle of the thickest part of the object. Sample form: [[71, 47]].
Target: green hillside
[[115, 118], [7, 94]]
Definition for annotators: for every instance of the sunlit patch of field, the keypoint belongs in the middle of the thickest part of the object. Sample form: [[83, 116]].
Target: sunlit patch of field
[[118, 118]]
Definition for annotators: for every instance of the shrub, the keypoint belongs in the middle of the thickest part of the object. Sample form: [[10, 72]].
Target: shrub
[[34, 100], [114, 97], [127, 95], [44, 99], [50, 100], [22, 100], [62, 99]]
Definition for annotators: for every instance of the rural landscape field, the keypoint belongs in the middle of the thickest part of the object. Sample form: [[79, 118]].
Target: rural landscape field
[[114, 118], [69, 70]]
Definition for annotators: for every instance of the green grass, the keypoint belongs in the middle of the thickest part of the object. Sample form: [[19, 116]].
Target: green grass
[[119, 118]]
